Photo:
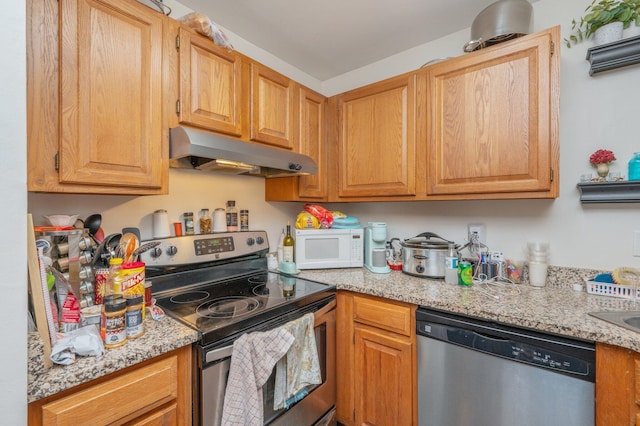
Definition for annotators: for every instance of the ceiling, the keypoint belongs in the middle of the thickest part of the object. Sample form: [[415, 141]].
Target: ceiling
[[331, 37]]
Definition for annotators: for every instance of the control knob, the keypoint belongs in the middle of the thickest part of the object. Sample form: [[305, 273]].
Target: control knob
[[250, 241], [172, 250], [155, 252], [419, 269], [259, 240]]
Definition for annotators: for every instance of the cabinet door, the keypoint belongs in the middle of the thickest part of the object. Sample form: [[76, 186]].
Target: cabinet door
[[376, 141], [311, 141], [151, 385], [210, 84], [494, 119], [272, 107], [617, 386], [383, 381], [111, 125]]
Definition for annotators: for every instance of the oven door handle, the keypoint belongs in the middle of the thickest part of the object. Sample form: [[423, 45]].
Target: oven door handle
[[222, 353], [218, 354]]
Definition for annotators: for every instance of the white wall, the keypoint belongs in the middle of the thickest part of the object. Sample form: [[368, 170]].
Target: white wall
[[596, 112], [13, 280]]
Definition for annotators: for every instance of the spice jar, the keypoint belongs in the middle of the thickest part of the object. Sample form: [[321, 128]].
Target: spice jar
[[115, 323], [205, 221], [244, 220], [188, 223], [232, 216], [134, 323], [219, 220]]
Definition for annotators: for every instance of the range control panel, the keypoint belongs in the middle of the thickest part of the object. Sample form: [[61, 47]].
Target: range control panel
[[190, 249]]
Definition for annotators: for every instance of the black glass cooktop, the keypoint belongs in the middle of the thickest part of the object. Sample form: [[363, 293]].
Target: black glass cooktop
[[222, 308]]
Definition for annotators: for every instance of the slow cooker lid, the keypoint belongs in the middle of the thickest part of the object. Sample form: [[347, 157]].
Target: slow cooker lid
[[424, 241]]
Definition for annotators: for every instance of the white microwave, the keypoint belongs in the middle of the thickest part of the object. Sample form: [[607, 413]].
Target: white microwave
[[329, 248]]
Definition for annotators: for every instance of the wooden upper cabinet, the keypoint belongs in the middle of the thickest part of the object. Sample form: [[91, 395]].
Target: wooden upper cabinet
[[210, 84], [492, 120], [376, 139], [272, 107], [312, 142], [111, 125], [94, 98]]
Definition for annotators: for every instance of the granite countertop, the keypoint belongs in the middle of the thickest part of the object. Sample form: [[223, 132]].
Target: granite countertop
[[555, 308], [160, 336]]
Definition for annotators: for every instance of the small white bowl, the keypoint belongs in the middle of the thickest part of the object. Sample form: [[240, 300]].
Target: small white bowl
[[62, 219]]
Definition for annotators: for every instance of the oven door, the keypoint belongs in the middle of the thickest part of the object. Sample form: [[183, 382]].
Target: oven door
[[312, 409]]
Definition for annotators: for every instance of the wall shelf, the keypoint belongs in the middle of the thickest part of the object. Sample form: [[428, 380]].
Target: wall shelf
[[610, 192], [614, 55]]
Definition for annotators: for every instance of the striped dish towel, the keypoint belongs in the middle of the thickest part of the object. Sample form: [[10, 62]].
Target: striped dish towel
[[252, 361]]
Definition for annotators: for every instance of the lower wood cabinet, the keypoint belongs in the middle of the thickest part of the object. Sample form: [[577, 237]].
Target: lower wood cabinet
[[376, 368], [156, 392], [617, 386]]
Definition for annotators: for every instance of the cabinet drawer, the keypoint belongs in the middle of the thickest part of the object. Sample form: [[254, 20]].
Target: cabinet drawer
[[122, 398], [391, 316]]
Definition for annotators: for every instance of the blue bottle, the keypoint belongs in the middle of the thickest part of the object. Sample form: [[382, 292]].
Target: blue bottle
[[634, 167]]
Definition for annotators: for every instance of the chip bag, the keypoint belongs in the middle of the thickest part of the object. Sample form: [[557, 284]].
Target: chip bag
[[323, 215], [306, 220]]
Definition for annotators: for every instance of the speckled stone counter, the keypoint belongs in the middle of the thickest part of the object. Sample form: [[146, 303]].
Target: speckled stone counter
[[555, 308], [160, 336]]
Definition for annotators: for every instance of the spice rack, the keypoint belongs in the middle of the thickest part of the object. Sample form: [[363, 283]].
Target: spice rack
[[609, 192]]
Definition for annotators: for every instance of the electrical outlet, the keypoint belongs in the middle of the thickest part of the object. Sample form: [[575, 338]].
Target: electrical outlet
[[477, 232], [636, 243]]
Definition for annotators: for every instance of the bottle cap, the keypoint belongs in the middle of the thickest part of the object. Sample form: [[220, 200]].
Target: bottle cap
[[134, 299], [115, 305], [231, 203]]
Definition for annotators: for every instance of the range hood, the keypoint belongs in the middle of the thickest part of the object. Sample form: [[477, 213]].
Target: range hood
[[198, 149]]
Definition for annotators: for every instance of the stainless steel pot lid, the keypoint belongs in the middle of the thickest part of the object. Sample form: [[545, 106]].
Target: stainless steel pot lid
[[423, 241]]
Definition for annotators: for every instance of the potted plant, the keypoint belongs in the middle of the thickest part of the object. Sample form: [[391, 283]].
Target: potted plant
[[601, 13]]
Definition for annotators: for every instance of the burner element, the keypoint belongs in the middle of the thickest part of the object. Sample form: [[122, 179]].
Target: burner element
[[190, 297], [227, 307], [258, 279]]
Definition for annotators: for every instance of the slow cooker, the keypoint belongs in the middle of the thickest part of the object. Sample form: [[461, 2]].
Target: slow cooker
[[424, 254]]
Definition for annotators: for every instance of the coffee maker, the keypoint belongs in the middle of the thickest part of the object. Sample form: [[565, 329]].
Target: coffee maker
[[375, 247]]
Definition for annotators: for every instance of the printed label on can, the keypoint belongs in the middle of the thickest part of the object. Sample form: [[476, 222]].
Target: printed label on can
[[115, 328], [465, 273], [134, 323]]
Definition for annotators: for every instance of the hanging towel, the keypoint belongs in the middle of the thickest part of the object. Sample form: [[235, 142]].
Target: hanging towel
[[300, 367], [252, 361]]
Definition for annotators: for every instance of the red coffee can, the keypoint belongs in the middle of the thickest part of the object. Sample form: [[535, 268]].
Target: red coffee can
[[101, 275]]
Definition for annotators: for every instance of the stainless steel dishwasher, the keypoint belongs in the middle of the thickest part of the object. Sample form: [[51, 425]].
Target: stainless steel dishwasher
[[478, 373]]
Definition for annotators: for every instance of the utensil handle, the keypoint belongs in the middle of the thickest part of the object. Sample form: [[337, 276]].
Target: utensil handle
[[429, 235], [470, 46]]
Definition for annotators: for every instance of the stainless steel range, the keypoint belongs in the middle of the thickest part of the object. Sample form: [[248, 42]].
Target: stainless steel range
[[219, 285]]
